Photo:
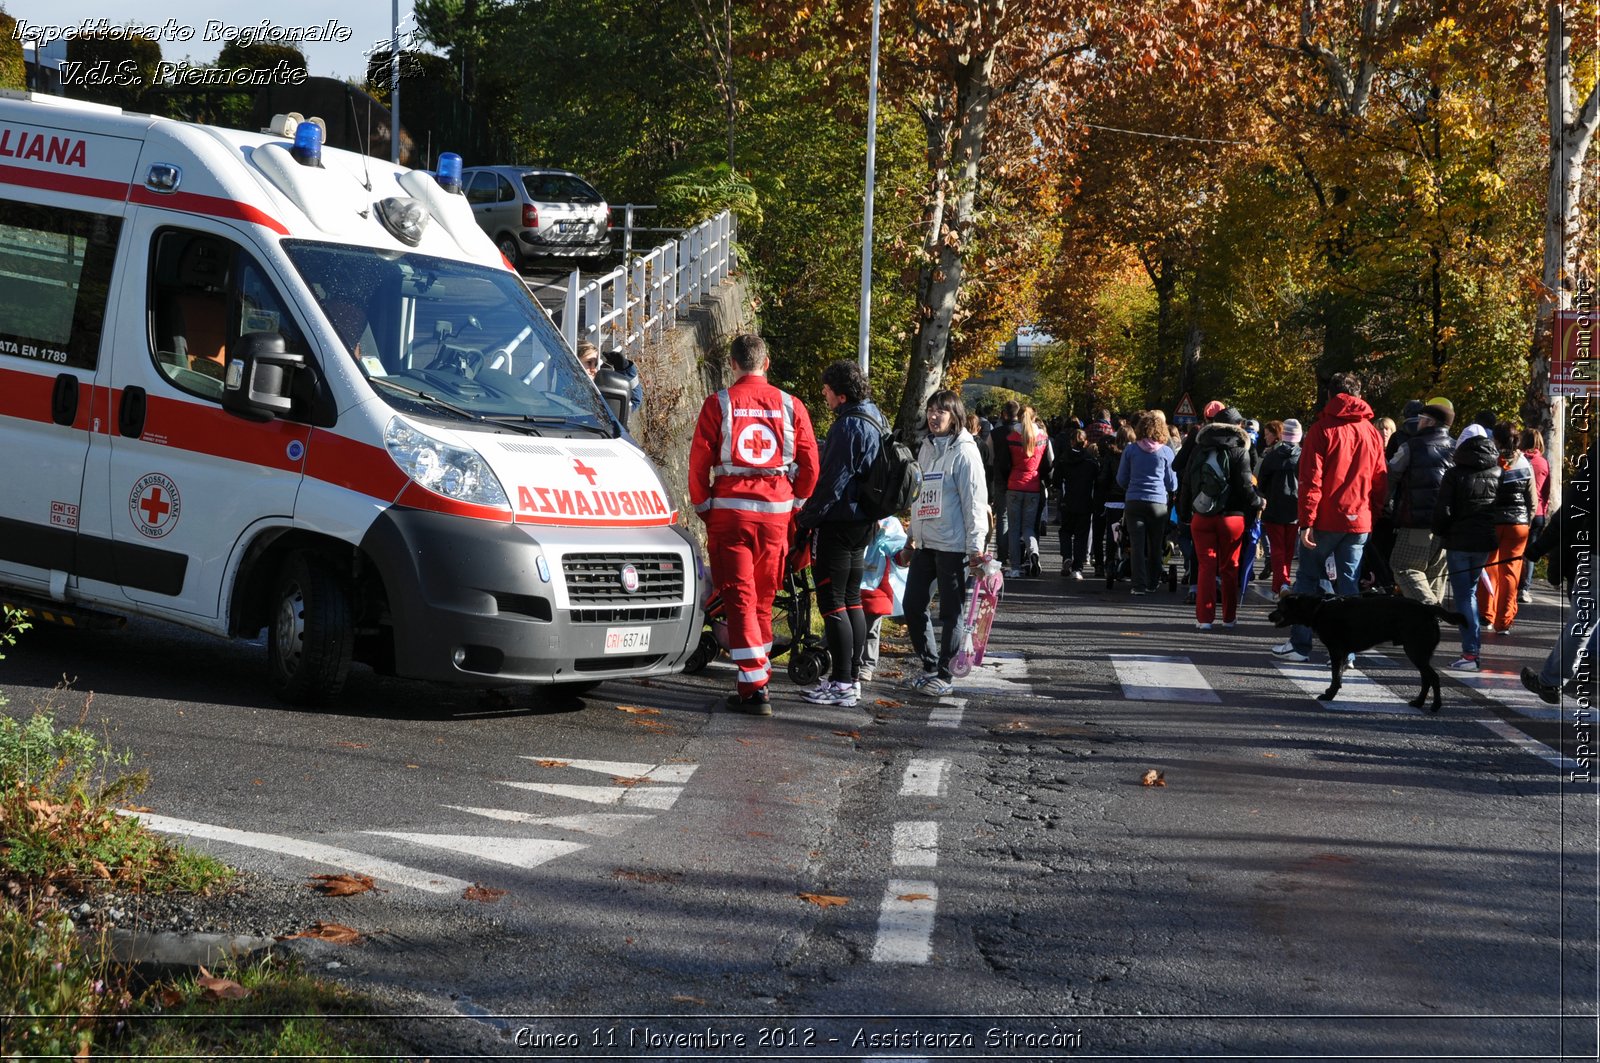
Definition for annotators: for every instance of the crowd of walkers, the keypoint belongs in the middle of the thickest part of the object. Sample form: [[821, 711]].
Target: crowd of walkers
[[1350, 502]]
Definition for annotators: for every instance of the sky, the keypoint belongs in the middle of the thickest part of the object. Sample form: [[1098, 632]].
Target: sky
[[369, 21]]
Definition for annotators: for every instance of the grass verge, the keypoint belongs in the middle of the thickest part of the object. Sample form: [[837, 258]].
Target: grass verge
[[61, 838]]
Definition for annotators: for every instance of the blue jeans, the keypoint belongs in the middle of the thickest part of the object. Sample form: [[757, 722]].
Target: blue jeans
[[1310, 573], [1462, 569], [1577, 632], [1022, 512]]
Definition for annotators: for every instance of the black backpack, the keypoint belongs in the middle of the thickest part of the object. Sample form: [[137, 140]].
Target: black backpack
[[1208, 482], [892, 482]]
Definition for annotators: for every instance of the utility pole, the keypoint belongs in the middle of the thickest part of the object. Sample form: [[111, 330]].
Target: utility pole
[[862, 334]]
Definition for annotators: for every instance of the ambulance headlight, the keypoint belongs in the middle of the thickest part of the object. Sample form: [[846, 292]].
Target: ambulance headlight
[[442, 468]]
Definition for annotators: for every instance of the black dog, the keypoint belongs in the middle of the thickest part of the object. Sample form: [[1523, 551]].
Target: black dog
[[1348, 625]]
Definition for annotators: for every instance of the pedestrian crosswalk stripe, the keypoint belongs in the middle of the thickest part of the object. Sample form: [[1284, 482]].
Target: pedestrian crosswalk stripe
[[905, 922], [1531, 745], [916, 844], [1002, 672], [606, 824], [947, 714], [1508, 690], [1151, 678], [386, 871], [657, 797], [924, 778], [671, 773], [518, 852], [1357, 693]]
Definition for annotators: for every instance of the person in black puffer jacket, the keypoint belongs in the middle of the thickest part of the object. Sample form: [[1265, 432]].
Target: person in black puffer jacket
[[1278, 480], [1112, 502], [1077, 473], [1219, 531], [1415, 472], [1463, 519]]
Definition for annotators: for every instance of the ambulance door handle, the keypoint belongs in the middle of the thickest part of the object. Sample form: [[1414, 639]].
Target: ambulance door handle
[[130, 417], [64, 400]]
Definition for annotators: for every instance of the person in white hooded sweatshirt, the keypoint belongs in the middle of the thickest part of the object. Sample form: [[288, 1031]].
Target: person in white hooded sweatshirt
[[949, 524]]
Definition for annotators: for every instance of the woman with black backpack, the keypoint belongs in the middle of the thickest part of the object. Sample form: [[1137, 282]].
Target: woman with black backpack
[[1215, 496]]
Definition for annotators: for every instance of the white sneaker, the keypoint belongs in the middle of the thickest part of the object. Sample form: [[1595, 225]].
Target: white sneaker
[[917, 680], [1202, 627], [1465, 663], [841, 694], [1526, 597], [1077, 575], [1228, 625], [1287, 651], [865, 677], [937, 688]]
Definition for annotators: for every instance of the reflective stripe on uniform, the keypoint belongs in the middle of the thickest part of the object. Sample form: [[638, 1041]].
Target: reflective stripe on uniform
[[724, 401], [751, 505], [750, 653], [737, 471], [788, 430]]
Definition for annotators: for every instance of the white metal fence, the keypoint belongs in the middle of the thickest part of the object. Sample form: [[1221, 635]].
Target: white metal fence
[[641, 299]]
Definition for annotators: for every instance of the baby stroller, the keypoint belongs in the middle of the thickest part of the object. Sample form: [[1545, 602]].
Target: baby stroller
[[1119, 562], [809, 659]]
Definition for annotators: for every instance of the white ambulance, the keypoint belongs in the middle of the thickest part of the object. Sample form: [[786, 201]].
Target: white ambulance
[[246, 384]]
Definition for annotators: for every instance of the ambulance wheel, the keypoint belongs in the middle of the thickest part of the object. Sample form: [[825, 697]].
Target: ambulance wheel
[[311, 639], [807, 666], [703, 654]]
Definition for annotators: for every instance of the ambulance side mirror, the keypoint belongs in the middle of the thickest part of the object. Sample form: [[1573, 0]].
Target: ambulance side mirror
[[615, 387], [259, 380]]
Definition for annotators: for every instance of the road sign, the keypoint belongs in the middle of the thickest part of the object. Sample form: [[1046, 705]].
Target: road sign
[[1185, 411]]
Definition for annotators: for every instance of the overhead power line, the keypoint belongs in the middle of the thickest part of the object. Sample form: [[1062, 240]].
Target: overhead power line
[[1164, 136]]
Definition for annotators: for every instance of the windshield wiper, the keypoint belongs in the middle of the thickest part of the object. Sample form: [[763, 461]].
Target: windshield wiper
[[443, 404], [556, 419]]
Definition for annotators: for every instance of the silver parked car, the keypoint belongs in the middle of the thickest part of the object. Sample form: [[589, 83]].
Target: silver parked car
[[532, 212]]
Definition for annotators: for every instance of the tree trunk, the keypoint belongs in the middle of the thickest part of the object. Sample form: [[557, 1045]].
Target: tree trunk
[[1570, 136], [1193, 347], [955, 168], [1163, 276]]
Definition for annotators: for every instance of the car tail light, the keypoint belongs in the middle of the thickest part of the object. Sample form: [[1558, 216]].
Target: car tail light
[[608, 219], [530, 216]]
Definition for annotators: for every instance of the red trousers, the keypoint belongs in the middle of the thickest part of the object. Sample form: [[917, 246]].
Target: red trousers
[[746, 555], [1280, 547], [1500, 604], [1216, 548]]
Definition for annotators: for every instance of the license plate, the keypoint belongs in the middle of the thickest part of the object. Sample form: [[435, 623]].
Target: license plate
[[627, 639], [568, 226]]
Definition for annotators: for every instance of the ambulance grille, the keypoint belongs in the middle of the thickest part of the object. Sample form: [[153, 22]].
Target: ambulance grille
[[596, 579], [649, 614]]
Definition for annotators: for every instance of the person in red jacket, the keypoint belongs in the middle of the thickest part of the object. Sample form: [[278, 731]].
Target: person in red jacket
[[752, 465], [1343, 476]]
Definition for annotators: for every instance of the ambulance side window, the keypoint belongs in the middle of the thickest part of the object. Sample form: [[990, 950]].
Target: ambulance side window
[[206, 292], [55, 279]]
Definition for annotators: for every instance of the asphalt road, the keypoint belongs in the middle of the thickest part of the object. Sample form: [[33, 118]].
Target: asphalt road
[[979, 877]]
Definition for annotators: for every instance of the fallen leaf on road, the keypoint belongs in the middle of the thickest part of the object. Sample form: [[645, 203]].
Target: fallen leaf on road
[[414, 766], [170, 997], [336, 933], [354, 745], [1270, 756], [745, 741], [823, 900], [848, 734], [552, 763], [655, 726], [885, 703], [257, 782], [137, 808], [758, 834], [1015, 725], [637, 711], [915, 897], [482, 894], [1153, 778], [341, 885], [684, 998], [651, 877], [220, 988]]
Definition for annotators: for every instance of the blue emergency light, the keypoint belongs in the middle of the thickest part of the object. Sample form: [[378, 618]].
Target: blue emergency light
[[307, 148], [449, 175]]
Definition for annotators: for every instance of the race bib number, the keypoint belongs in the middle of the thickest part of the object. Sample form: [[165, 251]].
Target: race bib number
[[930, 499]]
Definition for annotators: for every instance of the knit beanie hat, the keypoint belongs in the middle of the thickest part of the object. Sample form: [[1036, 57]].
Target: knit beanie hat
[[1213, 408], [1472, 431], [1291, 431], [1228, 415], [1443, 414]]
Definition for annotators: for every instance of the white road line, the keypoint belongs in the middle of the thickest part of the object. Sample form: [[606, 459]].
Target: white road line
[[916, 844], [1150, 678], [947, 714], [608, 824], [315, 852], [905, 922], [1357, 693], [924, 778], [1507, 689], [657, 797], [1002, 672], [673, 773], [518, 852], [1528, 744]]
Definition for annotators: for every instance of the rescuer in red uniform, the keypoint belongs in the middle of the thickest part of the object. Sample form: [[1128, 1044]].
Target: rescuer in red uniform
[[752, 465]]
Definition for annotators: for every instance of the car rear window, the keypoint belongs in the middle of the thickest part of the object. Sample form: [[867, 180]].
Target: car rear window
[[559, 188]]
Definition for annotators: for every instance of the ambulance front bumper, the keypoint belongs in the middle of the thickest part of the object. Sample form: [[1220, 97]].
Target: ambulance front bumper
[[480, 603]]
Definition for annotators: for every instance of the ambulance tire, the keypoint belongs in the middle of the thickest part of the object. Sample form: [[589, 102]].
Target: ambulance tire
[[311, 638], [706, 652]]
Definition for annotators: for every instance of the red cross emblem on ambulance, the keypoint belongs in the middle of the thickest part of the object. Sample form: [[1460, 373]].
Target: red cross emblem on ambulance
[[756, 445], [154, 505]]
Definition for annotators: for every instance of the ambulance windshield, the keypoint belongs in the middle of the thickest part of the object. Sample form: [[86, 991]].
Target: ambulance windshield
[[437, 334]]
